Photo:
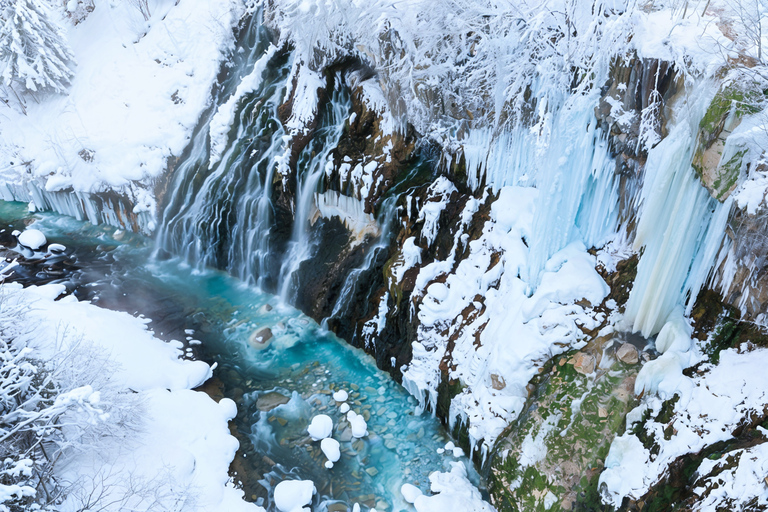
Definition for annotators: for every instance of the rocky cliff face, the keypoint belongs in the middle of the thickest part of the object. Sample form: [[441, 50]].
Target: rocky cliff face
[[397, 297]]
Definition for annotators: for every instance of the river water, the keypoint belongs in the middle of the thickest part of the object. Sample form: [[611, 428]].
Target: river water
[[278, 385]]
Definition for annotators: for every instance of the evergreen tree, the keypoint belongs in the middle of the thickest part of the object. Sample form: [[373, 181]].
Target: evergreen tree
[[33, 51]]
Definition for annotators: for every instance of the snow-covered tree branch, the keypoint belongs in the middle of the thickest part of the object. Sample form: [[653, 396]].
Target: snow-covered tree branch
[[33, 52]]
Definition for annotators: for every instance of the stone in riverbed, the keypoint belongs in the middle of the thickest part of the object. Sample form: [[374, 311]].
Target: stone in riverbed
[[583, 363], [269, 401], [261, 338], [627, 353]]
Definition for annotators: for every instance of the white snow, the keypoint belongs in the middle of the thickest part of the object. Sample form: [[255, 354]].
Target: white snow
[[518, 332], [320, 427], [710, 407], [410, 492], [153, 81], [32, 238], [293, 495], [734, 488], [341, 396], [181, 447], [330, 448], [452, 491], [344, 408], [358, 424]]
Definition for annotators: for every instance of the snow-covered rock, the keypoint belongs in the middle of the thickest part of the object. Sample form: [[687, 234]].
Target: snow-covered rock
[[331, 449], [293, 495], [452, 491], [358, 424], [320, 427], [32, 238], [410, 492]]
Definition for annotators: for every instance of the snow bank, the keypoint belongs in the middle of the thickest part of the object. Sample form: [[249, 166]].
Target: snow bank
[[710, 407], [152, 81], [452, 491], [181, 449]]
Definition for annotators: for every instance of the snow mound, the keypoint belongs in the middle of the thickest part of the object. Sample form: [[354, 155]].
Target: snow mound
[[293, 495], [32, 238], [320, 427]]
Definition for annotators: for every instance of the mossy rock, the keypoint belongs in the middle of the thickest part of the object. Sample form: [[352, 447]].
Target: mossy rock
[[724, 114], [552, 457], [720, 327]]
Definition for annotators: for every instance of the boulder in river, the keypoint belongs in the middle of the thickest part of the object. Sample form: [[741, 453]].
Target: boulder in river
[[627, 353], [261, 338], [269, 401]]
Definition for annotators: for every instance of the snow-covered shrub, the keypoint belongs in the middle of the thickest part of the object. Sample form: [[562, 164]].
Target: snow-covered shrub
[[33, 51], [473, 60], [50, 406], [78, 10], [142, 6]]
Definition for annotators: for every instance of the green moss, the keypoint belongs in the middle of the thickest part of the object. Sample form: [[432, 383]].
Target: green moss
[[667, 410], [577, 443], [719, 325], [727, 174], [737, 98]]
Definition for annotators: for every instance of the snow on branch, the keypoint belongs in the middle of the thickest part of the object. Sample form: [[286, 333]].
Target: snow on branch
[[33, 52]]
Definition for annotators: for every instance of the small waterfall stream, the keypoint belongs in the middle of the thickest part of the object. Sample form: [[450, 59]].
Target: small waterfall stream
[[219, 210], [311, 168]]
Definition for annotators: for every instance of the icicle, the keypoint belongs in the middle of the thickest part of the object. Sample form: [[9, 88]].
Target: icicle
[[681, 228]]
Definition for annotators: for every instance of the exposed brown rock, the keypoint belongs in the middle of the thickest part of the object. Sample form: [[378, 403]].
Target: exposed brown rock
[[627, 353], [583, 363], [269, 401], [260, 339]]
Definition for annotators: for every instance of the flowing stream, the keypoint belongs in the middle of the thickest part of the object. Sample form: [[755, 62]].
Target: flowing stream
[[278, 385]]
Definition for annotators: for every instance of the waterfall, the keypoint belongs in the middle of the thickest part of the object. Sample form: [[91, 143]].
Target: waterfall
[[566, 156], [311, 167], [350, 288], [219, 207], [220, 210]]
